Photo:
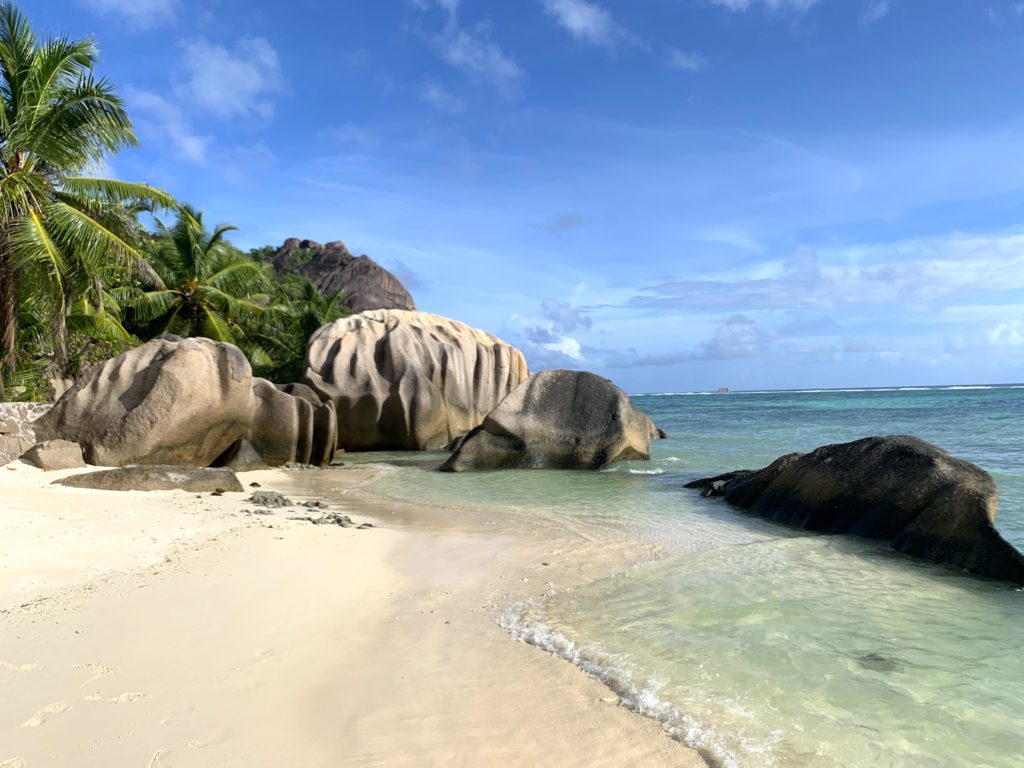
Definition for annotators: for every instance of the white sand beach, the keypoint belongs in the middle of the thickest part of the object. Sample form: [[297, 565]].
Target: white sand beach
[[165, 629]]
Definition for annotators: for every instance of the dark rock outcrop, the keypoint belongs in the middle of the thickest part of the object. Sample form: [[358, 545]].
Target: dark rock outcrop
[[170, 401], [156, 478], [55, 454], [899, 489], [408, 380], [333, 269], [560, 420]]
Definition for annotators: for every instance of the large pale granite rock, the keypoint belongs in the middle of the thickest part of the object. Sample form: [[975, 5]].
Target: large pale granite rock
[[170, 401], [560, 420], [291, 429], [900, 489], [409, 380]]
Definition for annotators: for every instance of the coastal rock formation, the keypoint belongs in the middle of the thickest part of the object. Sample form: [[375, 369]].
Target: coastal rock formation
[[157, 478], [170, 401], [55, 454], [408, 380], [900, 489], [289, 428], [333, 269], [557, 419]]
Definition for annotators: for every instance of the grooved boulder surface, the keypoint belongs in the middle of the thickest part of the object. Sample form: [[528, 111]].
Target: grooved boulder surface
[[409, 380], [170, 401]]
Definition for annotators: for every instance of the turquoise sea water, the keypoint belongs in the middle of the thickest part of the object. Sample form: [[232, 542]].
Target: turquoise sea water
[[764, 646]]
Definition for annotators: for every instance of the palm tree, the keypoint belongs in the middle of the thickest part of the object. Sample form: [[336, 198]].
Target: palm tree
[[59, 228], [207, 287]]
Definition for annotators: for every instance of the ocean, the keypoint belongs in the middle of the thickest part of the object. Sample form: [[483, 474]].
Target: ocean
[[757, 644]]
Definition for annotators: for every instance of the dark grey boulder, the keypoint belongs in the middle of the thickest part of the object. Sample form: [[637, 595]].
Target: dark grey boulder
[[900, 489], [156, 478], [55, 454], [559, 420], [363, 283]]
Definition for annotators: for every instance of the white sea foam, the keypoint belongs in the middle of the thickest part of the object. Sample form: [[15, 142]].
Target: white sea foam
[[614, 672]]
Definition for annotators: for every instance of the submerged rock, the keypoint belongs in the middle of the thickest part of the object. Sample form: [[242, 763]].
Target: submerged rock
[[408, 380], [900, 489], [559, 420], [156, 478]]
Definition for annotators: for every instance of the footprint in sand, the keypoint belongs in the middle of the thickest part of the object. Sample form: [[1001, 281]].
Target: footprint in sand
[[98, 671], [50, 709], [155, 760], [13, 762], [124, 698], [19, 668]]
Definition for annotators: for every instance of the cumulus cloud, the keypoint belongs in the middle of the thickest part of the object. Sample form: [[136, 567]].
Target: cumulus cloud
[[440, 99], [140, 14], [235, 82], [167, 123], [586, 21], [688, 61], [563, 317], [738, 336], [1007, 334]]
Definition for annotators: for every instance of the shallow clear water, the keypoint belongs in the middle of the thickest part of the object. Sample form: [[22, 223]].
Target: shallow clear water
[[764, 646]]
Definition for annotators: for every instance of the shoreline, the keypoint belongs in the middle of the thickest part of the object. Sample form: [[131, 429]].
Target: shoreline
[[198, 634]]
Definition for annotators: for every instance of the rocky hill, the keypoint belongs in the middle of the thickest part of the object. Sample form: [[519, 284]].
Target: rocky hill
[[333, 268]]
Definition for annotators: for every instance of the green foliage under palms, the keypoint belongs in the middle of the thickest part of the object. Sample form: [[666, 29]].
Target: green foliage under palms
[[63, 235]]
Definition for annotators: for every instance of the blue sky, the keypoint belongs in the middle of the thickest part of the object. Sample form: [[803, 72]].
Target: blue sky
[[678, 194]]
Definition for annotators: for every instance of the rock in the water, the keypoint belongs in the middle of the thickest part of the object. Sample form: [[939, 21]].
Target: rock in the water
[[364, 283], [560, 420], [156, 478], [55, 454], [170, 401], [901, 489], [291, 429], [409, 380]]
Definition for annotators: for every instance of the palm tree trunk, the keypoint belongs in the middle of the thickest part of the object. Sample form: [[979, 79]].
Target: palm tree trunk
[[8, 312]]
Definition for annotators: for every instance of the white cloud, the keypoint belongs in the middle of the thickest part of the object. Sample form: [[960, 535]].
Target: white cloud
[[688, 61], [1007, 334], [585, 21], [232, 82], [475, 53], [166, 122], [778, 6], [875, 11], [440, 99], [141, 14]]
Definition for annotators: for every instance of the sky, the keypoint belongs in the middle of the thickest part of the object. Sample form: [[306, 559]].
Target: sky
[[679, 195]]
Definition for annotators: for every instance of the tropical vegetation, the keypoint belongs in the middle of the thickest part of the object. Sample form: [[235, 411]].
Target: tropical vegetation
[[81, 276]]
